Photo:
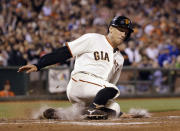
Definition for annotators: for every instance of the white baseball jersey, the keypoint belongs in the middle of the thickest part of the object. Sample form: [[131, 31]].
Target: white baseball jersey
[[94, 55]]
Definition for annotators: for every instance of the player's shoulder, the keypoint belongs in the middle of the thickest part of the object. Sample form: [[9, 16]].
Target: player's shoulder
[[118, 55], [93, 35]]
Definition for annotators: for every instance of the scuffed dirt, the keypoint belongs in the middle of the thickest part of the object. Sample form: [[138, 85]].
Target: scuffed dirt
[[160, 121]]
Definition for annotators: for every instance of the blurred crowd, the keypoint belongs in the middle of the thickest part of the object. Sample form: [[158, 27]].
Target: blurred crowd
[[30, 29]]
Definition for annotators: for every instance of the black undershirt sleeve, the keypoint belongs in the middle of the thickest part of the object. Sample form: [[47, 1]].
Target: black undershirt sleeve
[[58, 56]]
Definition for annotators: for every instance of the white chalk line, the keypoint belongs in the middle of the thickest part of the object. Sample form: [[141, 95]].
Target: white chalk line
[[80, 123], [173, 116], [107, 124]]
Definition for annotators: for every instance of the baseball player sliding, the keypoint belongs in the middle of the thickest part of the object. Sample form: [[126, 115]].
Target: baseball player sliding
[[96, 71]]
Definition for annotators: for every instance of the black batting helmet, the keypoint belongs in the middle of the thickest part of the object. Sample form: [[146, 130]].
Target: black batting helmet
[[122, 22]]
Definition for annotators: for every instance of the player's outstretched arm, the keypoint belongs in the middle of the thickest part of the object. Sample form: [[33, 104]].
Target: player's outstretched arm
[[58, 56], [28, 68]]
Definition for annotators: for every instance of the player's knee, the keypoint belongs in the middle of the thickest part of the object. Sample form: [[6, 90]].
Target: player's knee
[[103, 96], [111, 92]]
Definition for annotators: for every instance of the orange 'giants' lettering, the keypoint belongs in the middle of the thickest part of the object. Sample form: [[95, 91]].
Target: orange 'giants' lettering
[[101, 55], [106, 57], [96, 55]]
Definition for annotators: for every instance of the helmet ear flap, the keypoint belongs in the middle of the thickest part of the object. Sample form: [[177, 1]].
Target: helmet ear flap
[[128, 36]]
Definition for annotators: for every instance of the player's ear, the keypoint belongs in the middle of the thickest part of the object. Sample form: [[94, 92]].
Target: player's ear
[[110, 29]]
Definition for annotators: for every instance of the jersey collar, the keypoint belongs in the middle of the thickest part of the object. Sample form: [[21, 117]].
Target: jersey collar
[[109, 41]]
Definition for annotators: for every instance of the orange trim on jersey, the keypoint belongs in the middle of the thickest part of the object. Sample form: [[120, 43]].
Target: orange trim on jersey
[[74, 79], [109, 41], [91, 83], [69, 49]]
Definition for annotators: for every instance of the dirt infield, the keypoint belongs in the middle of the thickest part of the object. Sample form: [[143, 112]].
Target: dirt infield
[[161, 121]]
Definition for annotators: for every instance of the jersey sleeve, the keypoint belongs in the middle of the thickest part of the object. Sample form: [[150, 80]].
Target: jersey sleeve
[[117, 67], [116, 75], [80, 45]]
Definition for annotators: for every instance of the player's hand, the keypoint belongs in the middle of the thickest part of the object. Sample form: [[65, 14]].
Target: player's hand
[[28, 68]]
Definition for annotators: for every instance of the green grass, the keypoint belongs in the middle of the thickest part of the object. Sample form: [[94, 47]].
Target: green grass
[[152, 105], [24, 109]]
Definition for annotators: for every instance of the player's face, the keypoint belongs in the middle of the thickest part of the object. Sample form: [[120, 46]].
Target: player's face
[[118, 35]]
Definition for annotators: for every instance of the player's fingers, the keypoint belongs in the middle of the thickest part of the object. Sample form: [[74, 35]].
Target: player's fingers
[[33, 69], [23, 68], [29, 71]]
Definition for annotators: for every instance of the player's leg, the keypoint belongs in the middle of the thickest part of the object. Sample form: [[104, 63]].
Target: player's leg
[[103, 96], [101, 102], [84, 91], [81, 90]]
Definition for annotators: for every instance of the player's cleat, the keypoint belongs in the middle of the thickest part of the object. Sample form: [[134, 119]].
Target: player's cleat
[[94, 114], [50, 114]]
